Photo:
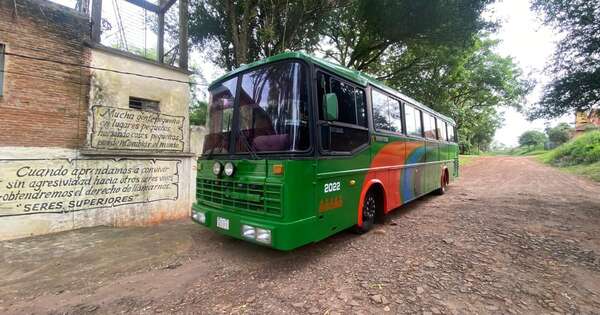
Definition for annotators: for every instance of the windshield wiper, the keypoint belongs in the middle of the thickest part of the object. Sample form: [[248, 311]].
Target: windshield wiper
[[247, 144]]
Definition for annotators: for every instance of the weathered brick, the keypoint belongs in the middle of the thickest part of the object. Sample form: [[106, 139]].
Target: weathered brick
[[42, 96]]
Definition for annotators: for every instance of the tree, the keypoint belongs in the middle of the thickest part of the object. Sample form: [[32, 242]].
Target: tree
[[576, 63], [559, 134], [532, 138], [434, 51], [469, 85], [198, 112], [239, 32], [360, 34]]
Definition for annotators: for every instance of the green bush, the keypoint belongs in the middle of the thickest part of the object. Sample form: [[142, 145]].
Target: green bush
[[584, 149]]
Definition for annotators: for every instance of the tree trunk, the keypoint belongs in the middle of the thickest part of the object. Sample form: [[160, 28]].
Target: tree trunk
[[233, 25]]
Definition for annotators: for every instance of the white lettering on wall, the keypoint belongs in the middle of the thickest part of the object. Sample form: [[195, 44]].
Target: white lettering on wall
[[46, 186], [131, 129]]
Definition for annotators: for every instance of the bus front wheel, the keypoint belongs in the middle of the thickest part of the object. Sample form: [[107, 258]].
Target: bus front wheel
[[369, 212]]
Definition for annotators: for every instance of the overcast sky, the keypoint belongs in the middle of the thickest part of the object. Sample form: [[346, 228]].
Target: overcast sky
[[522, 37], [531, 45]]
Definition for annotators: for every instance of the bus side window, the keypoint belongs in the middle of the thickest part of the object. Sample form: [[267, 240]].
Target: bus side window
[[442, 135], [451, 133], [386, 112], [413, 121], [349, 131], [429, 126], [322, 89]]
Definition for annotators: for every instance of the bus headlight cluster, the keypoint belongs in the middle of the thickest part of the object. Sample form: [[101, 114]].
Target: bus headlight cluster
[[255, 233], [199, 217], [229, 168], [218, 168], [249, 231]]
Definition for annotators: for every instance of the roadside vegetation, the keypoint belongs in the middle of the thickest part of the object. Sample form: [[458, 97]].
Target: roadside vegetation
[[466, 159], [579, 156]]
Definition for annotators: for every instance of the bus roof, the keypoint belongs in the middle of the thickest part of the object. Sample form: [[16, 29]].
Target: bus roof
[[349, 74]]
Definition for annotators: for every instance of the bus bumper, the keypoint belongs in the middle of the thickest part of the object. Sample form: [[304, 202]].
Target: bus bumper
[[278, 235]]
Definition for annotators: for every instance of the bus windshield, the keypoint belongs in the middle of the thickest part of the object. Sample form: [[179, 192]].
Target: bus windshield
[[272, 111]]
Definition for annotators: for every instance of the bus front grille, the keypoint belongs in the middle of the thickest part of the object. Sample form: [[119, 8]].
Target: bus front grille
[[229, 195]]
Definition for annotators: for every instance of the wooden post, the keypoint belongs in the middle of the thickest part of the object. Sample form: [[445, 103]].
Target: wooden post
[[84, 6], [183, 34], [96, 20], [161, 36]]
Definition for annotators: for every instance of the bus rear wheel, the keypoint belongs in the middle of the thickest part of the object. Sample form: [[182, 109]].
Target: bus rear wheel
[[369, 212]]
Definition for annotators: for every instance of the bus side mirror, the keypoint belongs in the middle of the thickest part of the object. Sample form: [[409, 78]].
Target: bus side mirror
[[331, 106]]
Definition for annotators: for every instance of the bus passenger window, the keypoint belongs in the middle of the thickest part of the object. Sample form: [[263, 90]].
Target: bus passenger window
[[413, 121], [442, 130], [386, 113], [351, 103], [361, 107], [451, 133], [352, 112], [429, 126]]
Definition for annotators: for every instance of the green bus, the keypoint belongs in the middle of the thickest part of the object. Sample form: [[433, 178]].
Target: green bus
[[299, 149]]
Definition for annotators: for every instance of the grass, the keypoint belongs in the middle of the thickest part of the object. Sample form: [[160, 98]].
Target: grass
[[591, 171], [466, 159], [519, 151], [579, 156], [584, 149], [526, 151]]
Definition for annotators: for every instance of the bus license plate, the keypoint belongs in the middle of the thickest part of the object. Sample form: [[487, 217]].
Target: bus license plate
[[223, 223]]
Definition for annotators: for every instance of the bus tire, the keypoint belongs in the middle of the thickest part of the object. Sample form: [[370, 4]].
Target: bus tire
[[443, 183], [369, 212]]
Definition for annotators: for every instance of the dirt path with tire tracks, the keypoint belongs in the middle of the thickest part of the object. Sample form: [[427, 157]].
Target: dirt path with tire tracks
[[511, 236]]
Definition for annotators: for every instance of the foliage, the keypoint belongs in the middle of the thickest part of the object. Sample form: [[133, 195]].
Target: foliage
[[362, 34], [435, 51], [523, 151], [468, 85], [198, 112], [532, 138], [576, 65], [464, 160], [591, 127], [559, 134], [591, 171], [584, 149], [239, 32]]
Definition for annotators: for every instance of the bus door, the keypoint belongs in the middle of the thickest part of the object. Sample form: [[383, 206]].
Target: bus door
[[344, 156], [432, 169]]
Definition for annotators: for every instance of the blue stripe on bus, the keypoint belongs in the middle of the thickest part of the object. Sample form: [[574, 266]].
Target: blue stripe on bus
[[408, 173]]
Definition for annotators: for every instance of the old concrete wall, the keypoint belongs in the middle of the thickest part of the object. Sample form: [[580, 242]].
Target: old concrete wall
[[197, 134], [91, 190], [76, 155], [112, 89]]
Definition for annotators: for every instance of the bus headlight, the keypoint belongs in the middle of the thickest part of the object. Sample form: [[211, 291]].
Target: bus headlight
[[248, 231], [263, 235], [229, 168], [199, 216], [217, 168]]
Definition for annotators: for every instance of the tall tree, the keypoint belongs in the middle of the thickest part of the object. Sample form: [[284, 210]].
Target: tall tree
[[576, 64], [532, 138], [241, 31], [559, 134], [361, 33], [470, 85]]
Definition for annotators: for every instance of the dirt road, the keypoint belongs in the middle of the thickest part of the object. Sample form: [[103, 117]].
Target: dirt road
[[511, 236]]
